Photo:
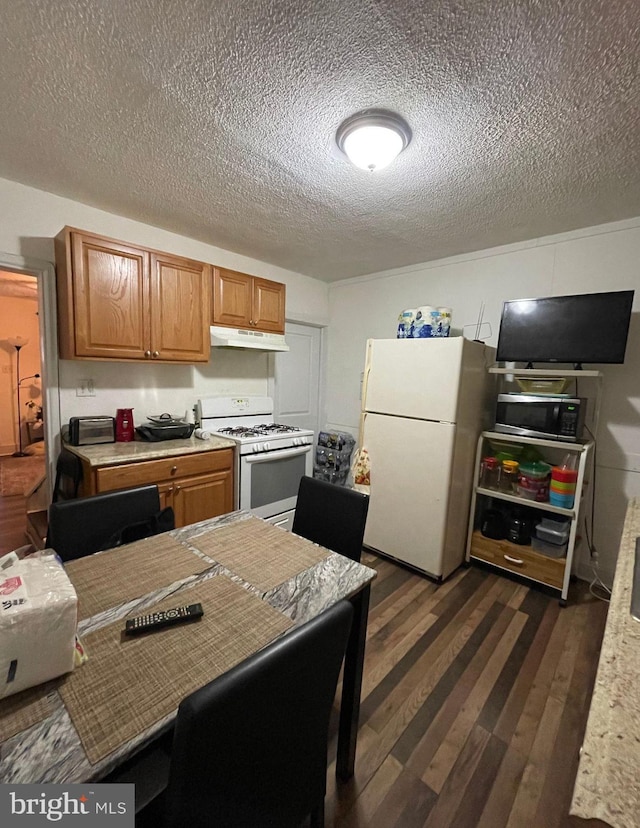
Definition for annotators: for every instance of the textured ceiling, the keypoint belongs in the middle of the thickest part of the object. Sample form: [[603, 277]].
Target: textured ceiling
[[217, 120]]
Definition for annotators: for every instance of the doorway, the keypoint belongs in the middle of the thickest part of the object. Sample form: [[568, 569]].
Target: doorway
[[29, 398], [296, 375]]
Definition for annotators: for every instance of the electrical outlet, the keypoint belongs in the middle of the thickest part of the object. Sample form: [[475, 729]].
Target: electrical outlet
[[85, 388]]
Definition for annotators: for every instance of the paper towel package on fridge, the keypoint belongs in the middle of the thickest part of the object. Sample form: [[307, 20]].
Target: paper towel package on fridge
[[38, 621]]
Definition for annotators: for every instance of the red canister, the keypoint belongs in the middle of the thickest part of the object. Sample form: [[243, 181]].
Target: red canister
[[124, 425]]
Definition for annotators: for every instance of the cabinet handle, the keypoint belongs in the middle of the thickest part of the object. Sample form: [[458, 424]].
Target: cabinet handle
[[170, 489], [517, 561], [156, 354], [178, 488], [147, 354], [174, 469]]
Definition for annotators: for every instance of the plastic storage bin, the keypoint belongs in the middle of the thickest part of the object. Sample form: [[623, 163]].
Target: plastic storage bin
[[553, 531], [533, 483], [552, 550]]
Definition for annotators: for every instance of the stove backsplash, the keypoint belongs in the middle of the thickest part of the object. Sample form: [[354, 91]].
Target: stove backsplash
[[154, 389]]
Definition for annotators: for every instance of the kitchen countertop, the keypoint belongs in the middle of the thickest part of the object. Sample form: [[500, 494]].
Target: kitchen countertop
[[606, 786], [111, 454]]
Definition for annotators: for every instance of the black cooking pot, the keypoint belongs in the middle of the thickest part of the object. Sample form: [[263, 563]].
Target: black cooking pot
[[153, 432]]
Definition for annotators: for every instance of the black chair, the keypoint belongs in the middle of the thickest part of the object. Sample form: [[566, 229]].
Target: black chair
[[250, 748], [68, 476], [86, 525], [333, 516]]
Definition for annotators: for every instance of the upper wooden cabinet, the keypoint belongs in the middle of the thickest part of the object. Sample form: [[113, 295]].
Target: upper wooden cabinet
[[242, 301], [118, 301]]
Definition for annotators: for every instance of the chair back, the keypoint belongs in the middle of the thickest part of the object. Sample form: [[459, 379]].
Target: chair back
[[88, 524], [250, 747], [333, 516], [68, 476]]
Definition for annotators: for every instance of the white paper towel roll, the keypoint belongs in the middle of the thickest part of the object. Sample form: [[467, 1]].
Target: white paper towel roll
[[201, 434]]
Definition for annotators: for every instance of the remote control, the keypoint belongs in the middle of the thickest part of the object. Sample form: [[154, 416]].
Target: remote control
[[156, 620]]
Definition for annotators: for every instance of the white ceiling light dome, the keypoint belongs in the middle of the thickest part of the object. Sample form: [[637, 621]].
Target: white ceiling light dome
[[373, 138]]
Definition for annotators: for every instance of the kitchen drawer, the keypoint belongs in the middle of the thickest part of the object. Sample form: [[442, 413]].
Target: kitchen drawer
[[155, 471], [520, 559]]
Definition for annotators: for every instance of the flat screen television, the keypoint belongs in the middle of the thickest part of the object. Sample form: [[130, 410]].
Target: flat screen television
[[586, 328]]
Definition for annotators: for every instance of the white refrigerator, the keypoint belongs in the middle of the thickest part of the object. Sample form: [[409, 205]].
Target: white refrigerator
[[423, 405]]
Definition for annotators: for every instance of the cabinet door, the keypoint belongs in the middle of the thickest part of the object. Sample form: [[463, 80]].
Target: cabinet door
[[165, 490], [231, 298], [268, 306], [180, 298], [199, 498], [110, 286]]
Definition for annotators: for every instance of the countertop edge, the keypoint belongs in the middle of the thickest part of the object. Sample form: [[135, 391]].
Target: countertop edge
[[113, 454], [606, 782]]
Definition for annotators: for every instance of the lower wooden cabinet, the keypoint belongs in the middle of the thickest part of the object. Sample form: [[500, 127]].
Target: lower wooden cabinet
[[196, 486], [522, 560]]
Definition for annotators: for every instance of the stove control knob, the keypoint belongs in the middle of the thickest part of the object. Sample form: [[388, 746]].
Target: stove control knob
[[266, 446]]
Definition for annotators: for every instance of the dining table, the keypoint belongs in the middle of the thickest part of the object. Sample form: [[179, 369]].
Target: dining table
[[255, 582]]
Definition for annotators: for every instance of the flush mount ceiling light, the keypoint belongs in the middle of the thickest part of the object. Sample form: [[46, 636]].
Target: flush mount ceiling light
[[373, 138]]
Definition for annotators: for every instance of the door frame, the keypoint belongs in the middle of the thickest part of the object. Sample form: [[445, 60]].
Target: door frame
[[50, 369], [322, 373]]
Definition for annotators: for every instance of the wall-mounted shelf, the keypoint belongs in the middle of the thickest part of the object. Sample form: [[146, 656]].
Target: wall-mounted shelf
[[544, 372]]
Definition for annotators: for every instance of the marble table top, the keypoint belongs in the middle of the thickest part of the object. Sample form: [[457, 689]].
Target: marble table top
[[108, 454], [607, 780], [51, 751]]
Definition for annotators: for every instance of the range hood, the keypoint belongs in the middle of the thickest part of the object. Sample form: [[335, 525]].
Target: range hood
[[239, 338]]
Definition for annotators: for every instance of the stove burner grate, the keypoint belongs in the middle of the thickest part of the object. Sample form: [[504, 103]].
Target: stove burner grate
[[261, 430]]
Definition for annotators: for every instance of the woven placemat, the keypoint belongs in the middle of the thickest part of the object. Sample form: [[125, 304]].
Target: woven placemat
[[120, 575], [261, 554], [25, 709], [128, 684]]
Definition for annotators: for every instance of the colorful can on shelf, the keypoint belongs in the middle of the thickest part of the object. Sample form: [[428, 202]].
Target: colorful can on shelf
[[406, 322], [423, 325], [444, 321]]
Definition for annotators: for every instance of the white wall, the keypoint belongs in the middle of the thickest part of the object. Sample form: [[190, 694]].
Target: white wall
[[600, 258], [29, 220]]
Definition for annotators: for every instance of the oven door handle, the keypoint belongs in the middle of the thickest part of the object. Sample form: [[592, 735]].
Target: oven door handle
[[267, 456]]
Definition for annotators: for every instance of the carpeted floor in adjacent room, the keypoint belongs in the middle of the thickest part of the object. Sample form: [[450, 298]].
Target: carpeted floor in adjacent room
[[18, 475]]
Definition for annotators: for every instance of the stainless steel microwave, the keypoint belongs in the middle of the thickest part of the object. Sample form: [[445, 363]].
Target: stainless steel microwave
[[529, 415]]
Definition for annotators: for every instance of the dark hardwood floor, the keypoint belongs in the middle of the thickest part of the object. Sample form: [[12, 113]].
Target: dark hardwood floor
[[475, 700], [13, 523]]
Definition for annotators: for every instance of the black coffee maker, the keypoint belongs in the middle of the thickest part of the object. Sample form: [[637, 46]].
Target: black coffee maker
[[519, 526], [493, 524]]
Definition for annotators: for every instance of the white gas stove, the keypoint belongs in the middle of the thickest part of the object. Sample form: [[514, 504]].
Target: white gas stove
[[271, 457]]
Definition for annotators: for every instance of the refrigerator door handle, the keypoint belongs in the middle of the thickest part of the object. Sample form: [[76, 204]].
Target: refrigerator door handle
[[365, 377]]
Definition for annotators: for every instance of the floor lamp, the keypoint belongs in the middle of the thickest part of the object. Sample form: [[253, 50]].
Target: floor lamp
[[18, 343]]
